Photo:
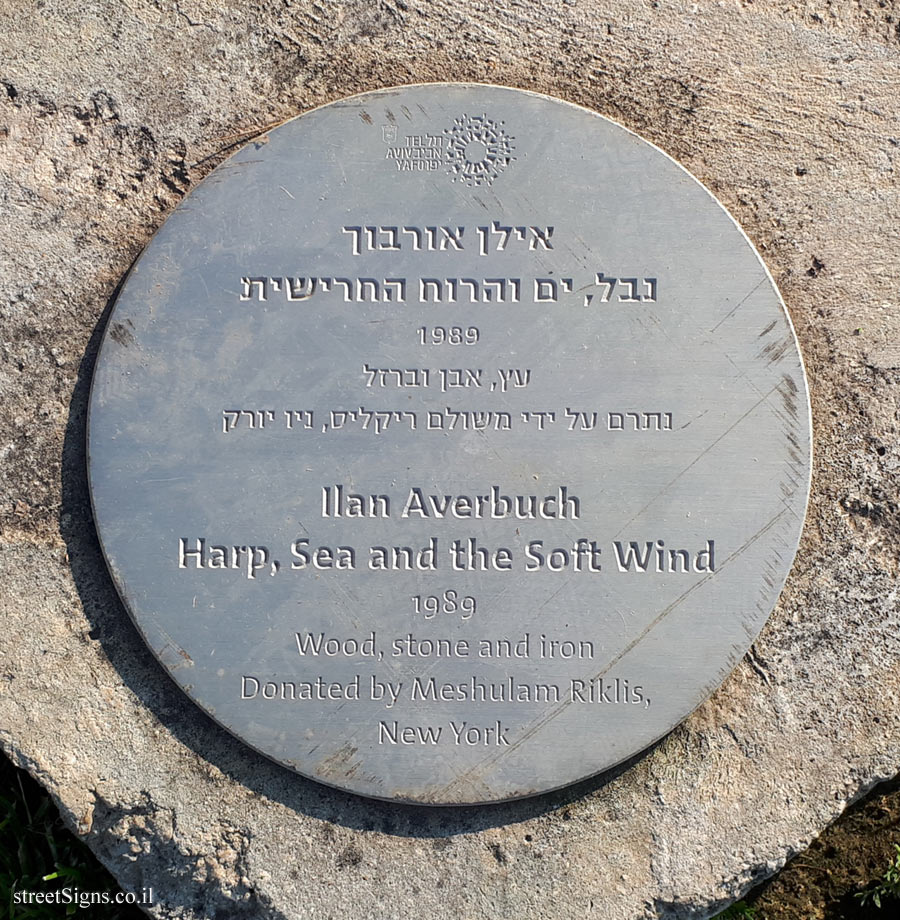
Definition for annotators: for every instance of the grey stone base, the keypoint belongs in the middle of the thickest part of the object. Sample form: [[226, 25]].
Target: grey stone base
[[788, 112]]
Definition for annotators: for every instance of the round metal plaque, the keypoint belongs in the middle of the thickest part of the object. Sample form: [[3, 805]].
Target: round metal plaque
[[449, 444]]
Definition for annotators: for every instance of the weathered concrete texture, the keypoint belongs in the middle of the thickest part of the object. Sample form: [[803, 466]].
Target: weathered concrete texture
[[790, 112]]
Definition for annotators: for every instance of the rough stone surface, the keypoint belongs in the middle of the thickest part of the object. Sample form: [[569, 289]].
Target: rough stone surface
[[788, 111]]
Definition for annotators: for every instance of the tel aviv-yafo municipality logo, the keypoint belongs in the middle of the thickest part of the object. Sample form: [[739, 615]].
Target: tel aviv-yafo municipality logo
[[477, 149], [474, 151]]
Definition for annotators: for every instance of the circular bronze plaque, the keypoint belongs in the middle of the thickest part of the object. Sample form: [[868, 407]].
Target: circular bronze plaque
[[449, 444]]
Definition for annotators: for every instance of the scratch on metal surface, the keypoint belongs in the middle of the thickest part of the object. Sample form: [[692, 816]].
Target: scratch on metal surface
[[544, 720], [697, 459], [739, 304], [340, 763], [172, 646], [121, 334]]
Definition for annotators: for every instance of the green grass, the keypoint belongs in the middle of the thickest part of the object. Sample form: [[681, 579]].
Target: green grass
[[739, 911], [887, 888], [38, 853]]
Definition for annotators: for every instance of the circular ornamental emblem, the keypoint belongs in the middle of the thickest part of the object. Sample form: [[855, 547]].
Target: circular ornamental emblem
[[478, 149]]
